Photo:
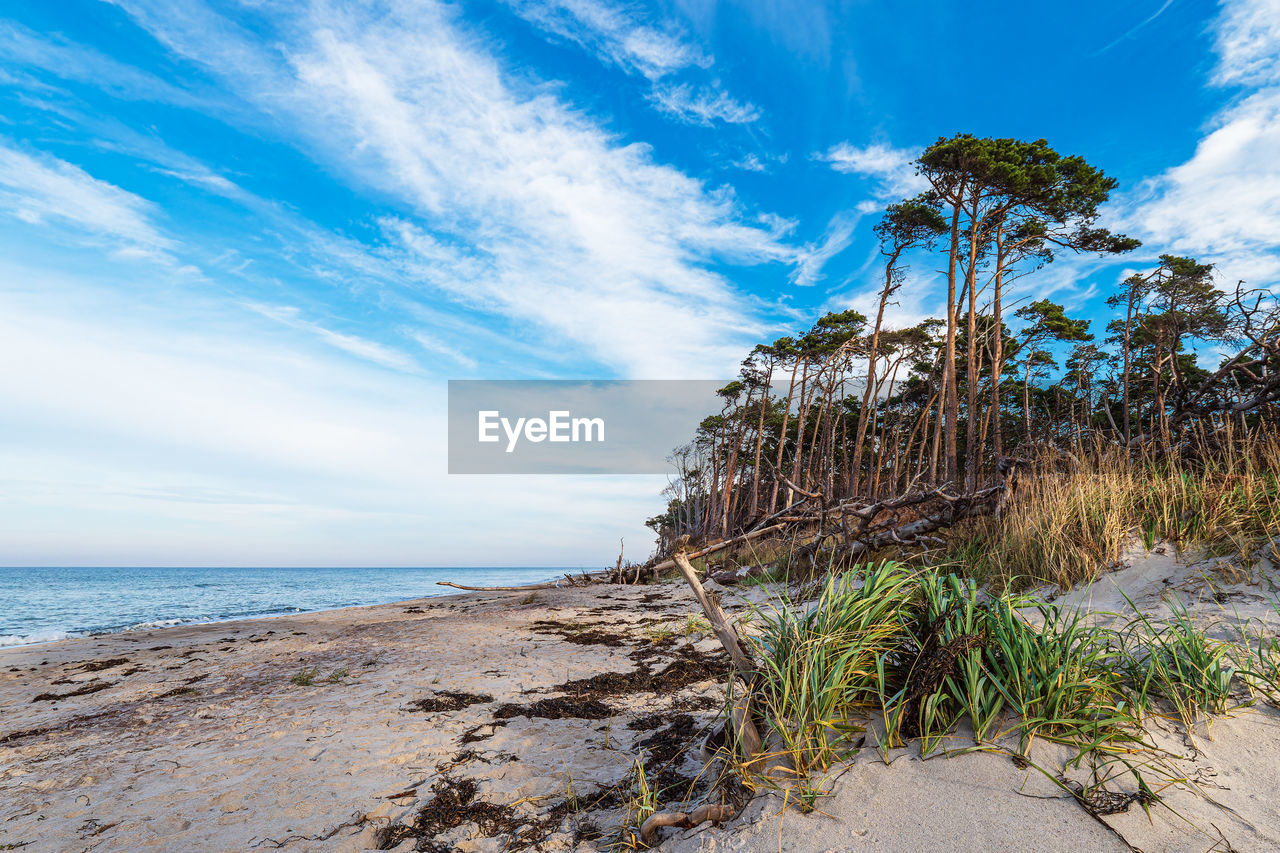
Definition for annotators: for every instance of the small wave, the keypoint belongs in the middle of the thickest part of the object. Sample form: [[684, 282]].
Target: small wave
[[159, 623], [29, 639]]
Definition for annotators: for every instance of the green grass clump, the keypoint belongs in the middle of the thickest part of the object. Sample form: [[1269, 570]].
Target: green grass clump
[[919, 653], [1257, 659], [306, 676], [1178, 661], [1059, 679], [982, 658], [820, 664]]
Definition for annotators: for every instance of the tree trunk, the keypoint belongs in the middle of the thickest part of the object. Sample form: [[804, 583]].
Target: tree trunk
[[997, 347], [951, 394], [755, 474], [971, 354], [860, 432], [801, 417], [782, 438]]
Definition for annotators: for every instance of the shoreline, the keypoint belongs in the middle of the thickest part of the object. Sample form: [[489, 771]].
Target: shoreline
[[180, 623]]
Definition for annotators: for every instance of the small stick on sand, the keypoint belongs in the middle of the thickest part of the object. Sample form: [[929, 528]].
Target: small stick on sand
[[552, 585]]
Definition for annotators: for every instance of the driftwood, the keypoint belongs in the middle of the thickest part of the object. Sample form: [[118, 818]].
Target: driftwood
[[551, 585], [719, 620], [857, 528], [568, 580], [702, 814], [729, 577], [741, 721]]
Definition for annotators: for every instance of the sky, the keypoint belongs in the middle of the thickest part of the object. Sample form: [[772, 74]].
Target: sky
[[244, 245]]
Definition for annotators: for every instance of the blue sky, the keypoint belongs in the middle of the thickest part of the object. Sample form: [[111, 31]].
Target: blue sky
[[244, 244]]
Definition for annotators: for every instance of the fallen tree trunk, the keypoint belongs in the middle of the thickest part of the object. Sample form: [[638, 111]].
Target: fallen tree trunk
[[711, 549], [872, 533], [719, 620], [741, 722], [729, 577]]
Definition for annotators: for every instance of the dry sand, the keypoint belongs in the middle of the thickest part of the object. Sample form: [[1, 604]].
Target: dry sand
[[199, 739]]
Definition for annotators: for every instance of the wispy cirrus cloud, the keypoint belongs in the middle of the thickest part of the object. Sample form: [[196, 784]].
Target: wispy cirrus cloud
[[614, 35], [40, 189], [892, 170], [839, 234], [69, 61], [704, 105], [552, 222], [1223, 204], [659, 54], [291, 316]]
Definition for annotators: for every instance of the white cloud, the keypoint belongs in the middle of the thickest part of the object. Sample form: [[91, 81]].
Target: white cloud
[[1226, 198], [813, 258], [704, 105], [1223, 204], [891, 168], [614, 35], [617, 37], [39, 189], [369, 350], [432, 345], [170, 429], [70, 61], [520, 204], [1246, 37]]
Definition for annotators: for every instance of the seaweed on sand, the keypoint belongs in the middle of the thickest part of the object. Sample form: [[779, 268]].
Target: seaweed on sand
[[557, 708], [91, 687], [579, 634], [448, 700], [689, 667]]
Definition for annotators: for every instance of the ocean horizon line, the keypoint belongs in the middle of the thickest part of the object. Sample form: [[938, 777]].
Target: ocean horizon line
[[51, 603]]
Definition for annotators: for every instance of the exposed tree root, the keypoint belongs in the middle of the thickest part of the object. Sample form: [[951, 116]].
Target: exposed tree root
[[685, 820]]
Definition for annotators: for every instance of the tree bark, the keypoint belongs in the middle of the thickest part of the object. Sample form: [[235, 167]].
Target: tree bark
[[951, 394]]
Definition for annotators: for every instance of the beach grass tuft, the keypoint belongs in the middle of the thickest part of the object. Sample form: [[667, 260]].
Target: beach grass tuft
[[889, 654], [306, 676]]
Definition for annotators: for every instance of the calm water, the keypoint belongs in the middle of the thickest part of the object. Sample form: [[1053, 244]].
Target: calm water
[[38, 605]]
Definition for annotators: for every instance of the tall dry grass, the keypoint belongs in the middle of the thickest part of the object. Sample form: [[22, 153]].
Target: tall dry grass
[[1065, 525]]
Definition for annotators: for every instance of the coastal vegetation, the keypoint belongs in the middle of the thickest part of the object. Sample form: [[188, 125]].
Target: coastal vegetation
[[914, 497], [852, 411]]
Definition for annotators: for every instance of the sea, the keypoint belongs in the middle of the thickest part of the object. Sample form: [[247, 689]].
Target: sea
[[40, 605]]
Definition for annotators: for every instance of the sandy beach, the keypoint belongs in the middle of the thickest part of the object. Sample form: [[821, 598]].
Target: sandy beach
[[506, 721], [198, 738]]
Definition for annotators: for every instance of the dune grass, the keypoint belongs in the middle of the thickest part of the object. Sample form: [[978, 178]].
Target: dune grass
[[902, 653], [1068, 522], [920, 651], [1178, 661], [820, 663]]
